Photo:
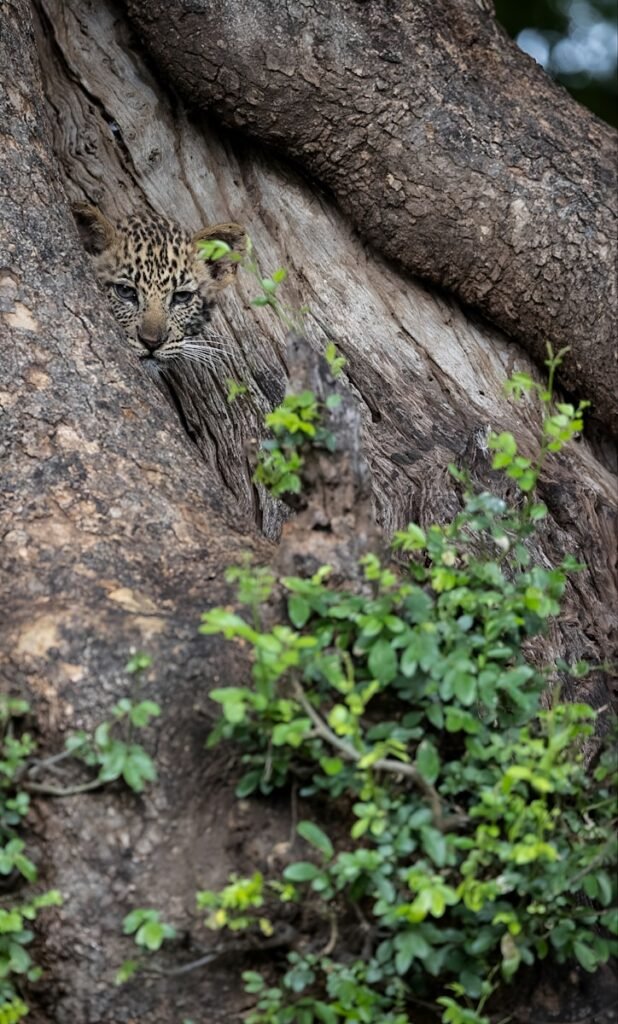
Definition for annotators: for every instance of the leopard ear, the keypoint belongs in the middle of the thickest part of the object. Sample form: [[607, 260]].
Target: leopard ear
[[96, 231], [223, 269]]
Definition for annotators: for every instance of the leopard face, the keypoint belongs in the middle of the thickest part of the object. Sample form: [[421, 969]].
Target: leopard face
[[160, 291]]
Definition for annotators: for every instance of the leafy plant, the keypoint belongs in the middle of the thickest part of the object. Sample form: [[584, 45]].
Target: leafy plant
[[236, 905], [149, 933], [113, 755], [147, 929], [214, 249], [16, 747], [474, 828], [335, 362], [111, 751], [234, 390], [13, 1011], [296, 424]]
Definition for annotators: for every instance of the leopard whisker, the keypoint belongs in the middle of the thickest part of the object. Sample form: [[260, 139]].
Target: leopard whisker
[[193, 354], [204, 359], [204, 345]]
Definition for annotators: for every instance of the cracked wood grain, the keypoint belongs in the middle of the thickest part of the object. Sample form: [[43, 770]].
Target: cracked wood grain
[[116, 529], [449, 149]]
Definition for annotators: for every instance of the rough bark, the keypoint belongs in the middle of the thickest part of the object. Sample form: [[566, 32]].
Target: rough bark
[[113, 539], [448, 148], [117, 528], [429, 379]]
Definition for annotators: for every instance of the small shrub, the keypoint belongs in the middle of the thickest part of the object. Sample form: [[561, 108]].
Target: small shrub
[[477, 841]]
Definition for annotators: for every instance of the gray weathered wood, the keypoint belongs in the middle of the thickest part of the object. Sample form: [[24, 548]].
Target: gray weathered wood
[[116, 528], [450, 149]]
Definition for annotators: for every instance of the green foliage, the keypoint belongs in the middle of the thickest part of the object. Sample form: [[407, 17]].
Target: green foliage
[[409, 703], [115, 757], [335, 362], [214, 249], [139, 662], [16, 747], [149, 933], [147, 929], [12, 1011], [561, 423], [15, 936], [296, 424], [235, 906], [234, 390]]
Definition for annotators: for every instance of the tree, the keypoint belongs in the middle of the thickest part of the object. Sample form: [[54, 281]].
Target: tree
[[119, 525]]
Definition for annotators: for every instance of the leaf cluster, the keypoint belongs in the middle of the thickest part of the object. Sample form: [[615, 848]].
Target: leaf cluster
[[113, 755], [296, 424], [16, 748], [478, 843]]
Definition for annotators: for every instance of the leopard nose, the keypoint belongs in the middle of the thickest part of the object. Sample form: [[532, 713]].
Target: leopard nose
[[151, 341]]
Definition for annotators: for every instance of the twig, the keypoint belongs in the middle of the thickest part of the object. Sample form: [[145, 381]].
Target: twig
[[284, 938], [194, 964], [47, 762], [332, 939], [593, 865], [384, 764], [293, 811], [85, 787]]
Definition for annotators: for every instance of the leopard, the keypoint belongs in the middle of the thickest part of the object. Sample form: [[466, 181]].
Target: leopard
[[160, 290]]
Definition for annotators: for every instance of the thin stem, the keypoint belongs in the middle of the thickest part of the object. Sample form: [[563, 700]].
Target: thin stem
[[334, 935], [85, 787], [47, 762], [382, 764]]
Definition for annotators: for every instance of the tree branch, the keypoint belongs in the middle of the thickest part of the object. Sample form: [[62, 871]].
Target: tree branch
[[382, 764], [474, 170]]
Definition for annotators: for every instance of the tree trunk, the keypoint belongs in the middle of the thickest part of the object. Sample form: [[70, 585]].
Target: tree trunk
[[449, 149], [117, 527]]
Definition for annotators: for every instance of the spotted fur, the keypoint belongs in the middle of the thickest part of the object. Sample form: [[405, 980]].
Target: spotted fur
[[160, 291]]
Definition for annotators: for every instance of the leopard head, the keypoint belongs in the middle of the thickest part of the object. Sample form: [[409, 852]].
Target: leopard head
[[161, 292]]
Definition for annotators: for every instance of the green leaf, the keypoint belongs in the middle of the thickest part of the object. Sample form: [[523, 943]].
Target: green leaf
[[409, 945], [301, 871], [141, 714], [249, 783], [382, 661], [331, 765], [434, 844], [435, 715], [212, 249], [606, 893], [126, 971], [254, 982], [428, 760], [325, 1013], [138, 769], [151, 935], [112, 761], [586, 956], [316, 837], [138, 663], [464, 687], [299, 610]]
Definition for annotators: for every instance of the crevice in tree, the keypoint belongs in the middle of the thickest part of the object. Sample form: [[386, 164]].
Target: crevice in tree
[[117, 536]]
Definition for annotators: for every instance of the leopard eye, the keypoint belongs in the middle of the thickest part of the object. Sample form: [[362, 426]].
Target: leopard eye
[[125, 292], [182, 298]]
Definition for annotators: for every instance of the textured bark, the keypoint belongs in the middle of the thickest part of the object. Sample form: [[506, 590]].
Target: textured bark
[[448, 148], [114, 537], [116, 527]]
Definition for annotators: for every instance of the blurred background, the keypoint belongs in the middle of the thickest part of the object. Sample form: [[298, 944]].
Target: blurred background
[[576, 41]]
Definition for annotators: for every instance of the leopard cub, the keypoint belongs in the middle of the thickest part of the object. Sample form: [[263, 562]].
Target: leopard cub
[[160, 291]]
